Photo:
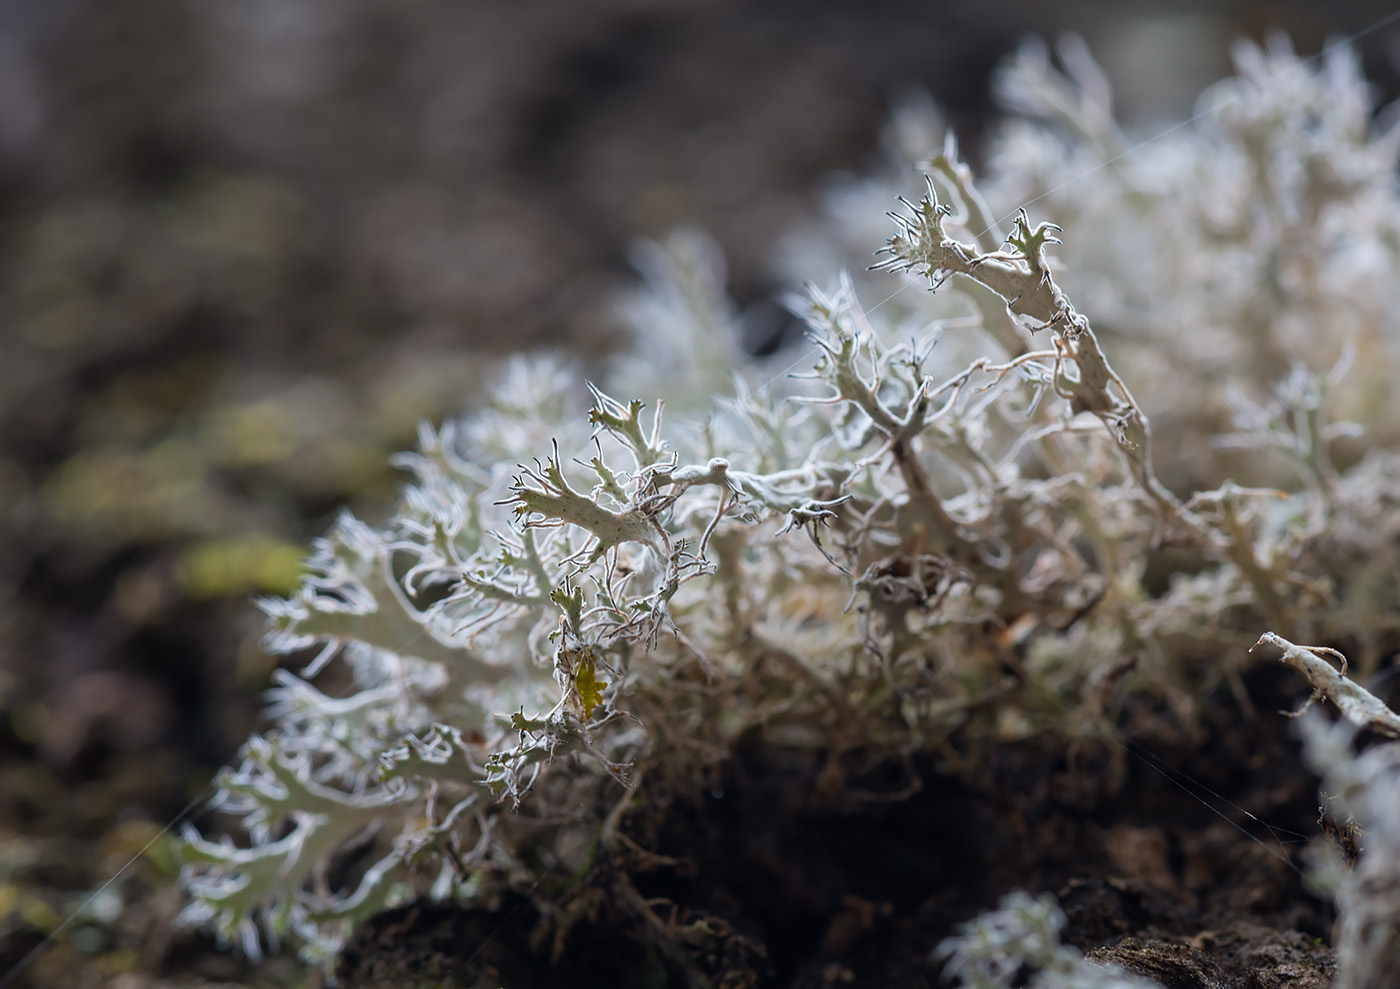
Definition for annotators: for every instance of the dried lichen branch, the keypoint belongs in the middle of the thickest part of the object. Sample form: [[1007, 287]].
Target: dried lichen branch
[[1357, 704], [1021, 278]]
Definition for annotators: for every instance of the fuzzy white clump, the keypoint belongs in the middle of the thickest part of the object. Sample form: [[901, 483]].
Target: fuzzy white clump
[[1022, 935], [1364, 787]]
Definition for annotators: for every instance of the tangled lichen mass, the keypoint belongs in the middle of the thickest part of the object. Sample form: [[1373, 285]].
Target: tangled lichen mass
[[962, 528]]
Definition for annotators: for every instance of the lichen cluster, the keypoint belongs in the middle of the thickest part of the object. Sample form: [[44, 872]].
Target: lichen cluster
[[973, 518]]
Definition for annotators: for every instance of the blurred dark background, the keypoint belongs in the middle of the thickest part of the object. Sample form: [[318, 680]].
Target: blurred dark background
[[245, 246]]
